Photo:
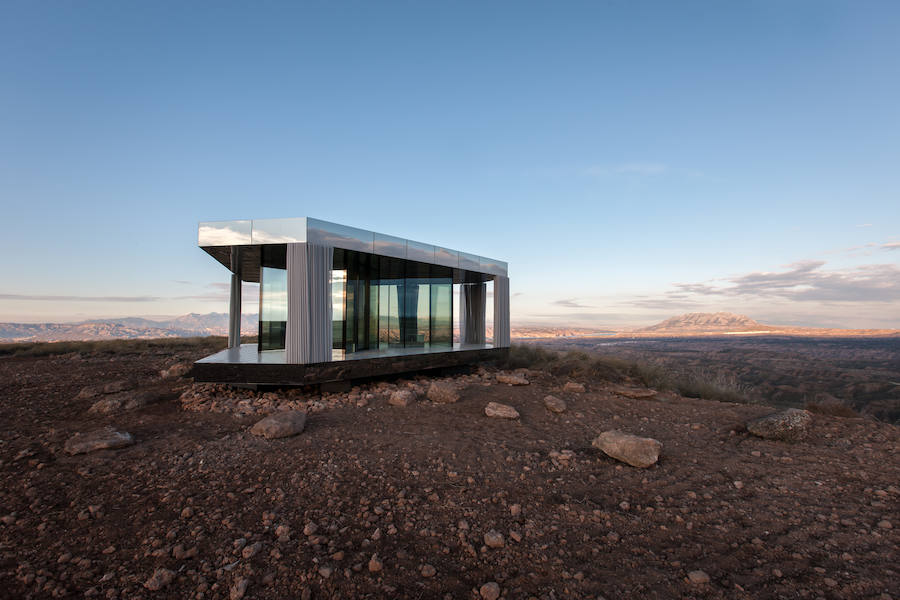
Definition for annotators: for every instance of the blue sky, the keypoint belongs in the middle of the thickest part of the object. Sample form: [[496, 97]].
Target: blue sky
[[631, 160]]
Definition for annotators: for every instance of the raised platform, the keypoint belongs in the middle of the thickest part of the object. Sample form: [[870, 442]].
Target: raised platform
[[247, 366]]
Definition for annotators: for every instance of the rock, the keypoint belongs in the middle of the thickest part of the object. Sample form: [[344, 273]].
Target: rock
[[114, 403], [117, 386], [500, 411], [788, 425], [631, 449], [885, 524], [634, 393], [494, 539], [511, 379], [179, 370], [279, 425], [572, 387], [238, 589], [554, 404], [375, 564], [160, 579], [442, 393], [490, 591], [91, 391], [428, 571], [402, 398], [698, 577], [100, 439], [106, 406]]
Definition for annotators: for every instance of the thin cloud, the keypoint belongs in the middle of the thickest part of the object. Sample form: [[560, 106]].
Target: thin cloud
[[41, 298], [807, 281], [569, 303], [891, 246], [640, 169], [864, 225]]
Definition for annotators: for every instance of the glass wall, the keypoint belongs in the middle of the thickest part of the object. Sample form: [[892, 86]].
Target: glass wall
[[390, 303], [272, 298]]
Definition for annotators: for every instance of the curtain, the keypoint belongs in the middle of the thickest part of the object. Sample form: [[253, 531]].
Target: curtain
[[475, 295], [501, 311], [309, 332]]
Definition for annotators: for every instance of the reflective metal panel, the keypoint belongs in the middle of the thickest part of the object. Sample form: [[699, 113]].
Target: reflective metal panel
[[388, 245], [279, 231], [446, 257], [494, 267], [339, 236], [223, 233], [470, 262], [419, 251]]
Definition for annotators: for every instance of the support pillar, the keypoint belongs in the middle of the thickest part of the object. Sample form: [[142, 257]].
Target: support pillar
[[234, 303]]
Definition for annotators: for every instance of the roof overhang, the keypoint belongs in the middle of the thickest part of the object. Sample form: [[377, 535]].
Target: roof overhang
[[217, 238]]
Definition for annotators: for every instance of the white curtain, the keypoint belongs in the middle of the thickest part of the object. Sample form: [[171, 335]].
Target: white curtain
[[308, 335], [501, 311]]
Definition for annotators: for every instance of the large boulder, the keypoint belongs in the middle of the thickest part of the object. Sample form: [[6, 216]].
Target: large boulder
[[500, 411], [101, 439], [631, 449], [279, 425], [788, 425], [442, 393], [511, 379]]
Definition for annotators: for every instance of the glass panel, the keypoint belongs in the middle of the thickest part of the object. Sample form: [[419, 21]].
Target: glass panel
[[338, 287], [272, 308], [279, 231], [273, 297], [442, 314]]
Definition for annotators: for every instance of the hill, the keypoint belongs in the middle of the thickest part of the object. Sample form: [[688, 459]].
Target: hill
[[707, 322]]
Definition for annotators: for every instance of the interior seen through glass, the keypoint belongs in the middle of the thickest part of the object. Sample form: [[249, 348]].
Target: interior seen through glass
[[377, 302]]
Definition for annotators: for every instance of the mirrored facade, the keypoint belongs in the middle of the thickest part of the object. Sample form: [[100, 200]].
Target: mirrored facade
[[272, 297]]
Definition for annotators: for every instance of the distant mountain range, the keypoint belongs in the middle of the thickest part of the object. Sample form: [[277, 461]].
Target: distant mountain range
[[190, 325], [712, 322]]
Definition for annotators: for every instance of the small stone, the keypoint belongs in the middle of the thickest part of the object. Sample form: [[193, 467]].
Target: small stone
[[106, 438], [515, 510], [885, 524], [310, 529], [739, 485], [117, 386], [279, 425], [511, 379], [326, 572], [442, 393], [500, 411], [631, 449], [490, 591], [830, 582], [160, 579], [788, 425], [402, 398], [375, 564], [179, 370], [634, 393], [573, 387], [251, 550], [554, 404], [238, 589], [698, 577], [428, 571], [494, 539], [187, 512]]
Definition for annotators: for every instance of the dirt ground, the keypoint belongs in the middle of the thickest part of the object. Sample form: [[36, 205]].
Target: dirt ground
[[232, 515]]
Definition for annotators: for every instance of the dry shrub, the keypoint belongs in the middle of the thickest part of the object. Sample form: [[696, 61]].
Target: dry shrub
[[831, 409], [210, 344]]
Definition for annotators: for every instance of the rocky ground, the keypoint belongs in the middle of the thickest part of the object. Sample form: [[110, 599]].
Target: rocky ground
[[395, 489]]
